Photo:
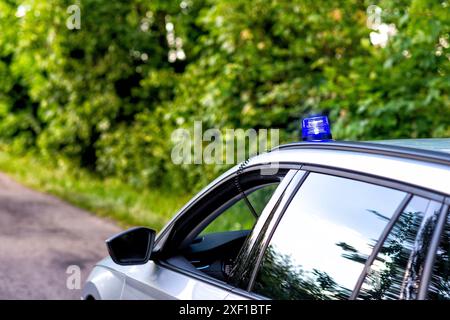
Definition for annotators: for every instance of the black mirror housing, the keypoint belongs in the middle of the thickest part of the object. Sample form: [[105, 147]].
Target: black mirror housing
[[131, 247]]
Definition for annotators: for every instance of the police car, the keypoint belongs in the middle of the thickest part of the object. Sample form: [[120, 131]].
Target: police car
[[318, 219]]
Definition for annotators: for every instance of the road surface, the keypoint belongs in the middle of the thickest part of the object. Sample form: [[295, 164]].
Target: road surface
[[40, 237]]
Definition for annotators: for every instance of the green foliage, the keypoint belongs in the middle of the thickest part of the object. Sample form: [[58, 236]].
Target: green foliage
[[238, 216], [109, 95]]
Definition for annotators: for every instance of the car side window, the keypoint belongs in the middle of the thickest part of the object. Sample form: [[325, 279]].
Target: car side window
[[324, 238], [214, 242], [440, 280], [397, 266], [239, 216]]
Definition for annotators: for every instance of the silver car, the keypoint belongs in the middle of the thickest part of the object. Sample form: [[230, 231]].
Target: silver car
[[311, 220]]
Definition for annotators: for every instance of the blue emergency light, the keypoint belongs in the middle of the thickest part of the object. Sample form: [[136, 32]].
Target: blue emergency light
[[316, 129]]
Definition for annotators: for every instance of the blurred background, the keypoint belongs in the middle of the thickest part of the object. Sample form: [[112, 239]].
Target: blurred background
[[91, 90]]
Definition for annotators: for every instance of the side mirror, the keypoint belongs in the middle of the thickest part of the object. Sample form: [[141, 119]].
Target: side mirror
[[133, 246]]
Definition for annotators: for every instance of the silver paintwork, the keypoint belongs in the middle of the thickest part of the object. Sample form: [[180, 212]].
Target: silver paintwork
[[434, 144], [419, 173], [151, 281], [148, 281]]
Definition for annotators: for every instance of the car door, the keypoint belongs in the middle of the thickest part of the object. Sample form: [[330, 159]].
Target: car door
[[184, 269], [341, 238]]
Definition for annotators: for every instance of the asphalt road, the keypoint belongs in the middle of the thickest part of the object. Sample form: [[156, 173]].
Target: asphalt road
[[40, 237]]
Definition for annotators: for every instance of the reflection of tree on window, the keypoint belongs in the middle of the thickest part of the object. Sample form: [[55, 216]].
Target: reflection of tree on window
[[385, 279], [418, 256], [282, 279], [386, 276], [440, 280], [397, 267], [352, 253]]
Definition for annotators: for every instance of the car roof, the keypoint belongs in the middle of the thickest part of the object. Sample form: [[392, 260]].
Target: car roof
[[423, 168], [428, 150], [435, 144]]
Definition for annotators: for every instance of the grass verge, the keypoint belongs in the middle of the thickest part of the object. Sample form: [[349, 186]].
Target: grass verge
[[109, 198]]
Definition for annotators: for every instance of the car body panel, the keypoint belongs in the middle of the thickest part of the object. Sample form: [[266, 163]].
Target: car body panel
[[435, 144], [104, 282], [153, 281], [430, 176], [147, 281]]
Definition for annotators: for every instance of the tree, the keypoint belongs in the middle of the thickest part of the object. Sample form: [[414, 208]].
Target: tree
[[109, 94]]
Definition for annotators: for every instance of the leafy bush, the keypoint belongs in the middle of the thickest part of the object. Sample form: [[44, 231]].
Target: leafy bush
[[109, 95]]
